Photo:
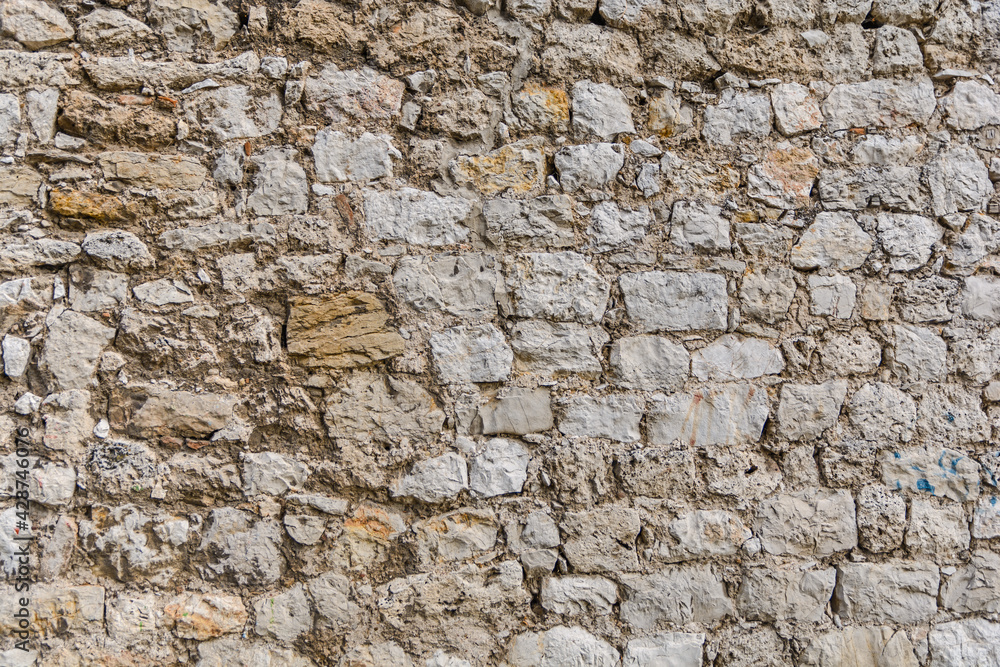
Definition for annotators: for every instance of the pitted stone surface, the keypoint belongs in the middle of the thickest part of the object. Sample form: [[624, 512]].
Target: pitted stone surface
[[530, 333]]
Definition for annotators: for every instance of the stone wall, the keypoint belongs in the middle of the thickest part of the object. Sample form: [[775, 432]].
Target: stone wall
[[653, 332]]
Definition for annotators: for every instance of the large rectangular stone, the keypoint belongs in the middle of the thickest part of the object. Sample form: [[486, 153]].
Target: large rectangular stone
[[673, 301], [892, 592], [675, 595], [340, 331]]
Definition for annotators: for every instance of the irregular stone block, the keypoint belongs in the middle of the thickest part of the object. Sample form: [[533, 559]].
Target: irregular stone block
[[615, 417], [161, 411], [154, 171], [833, 241], [284, 616], [786, 593], [601, 110], [833, 296], [936, 531], [704, 534], [340, 331], [810, 523], [16, 352], [519, 412], [970, 106], [500, 468], [657, 472], [767, 293], [561, 645], [907, 239], [413, 216], [272, 474], [129, 73], [896, 188], [588, 166], [217, 234], [361, 93], [784, 179], [882, 413], [611, 228], [896, 52], [675, 595], [882, 102], [339, 158], [110, 27], [571, 596], [674, 301], [966, 642], [738, 116], [805, 411], [434, 480], [860, 647], [796, 110], [457, 535], [237, 650], [553, 349], [471, 354], [973, 588], [72, 347], [890, 592], [232, 112], [959, 181], [203, 616], [881, 519], [241, 549], [733, 357], [699, 226], [35, 24], [381, 408], [649, 362], [669, 116], [117, 250], [517, 167], [184, 22], [280, 184], [726, 415], [18, 68], [939, 471], [986, 518], [561, 286], [953, 414], [541, 222], [541, 107], [679, 649]]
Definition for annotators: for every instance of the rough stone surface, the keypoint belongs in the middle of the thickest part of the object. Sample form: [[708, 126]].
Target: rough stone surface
[[536, 332], [670, 301], [649, 362], [729, 414], [808, 524], [874, 593], [806, 411], [833, 241]]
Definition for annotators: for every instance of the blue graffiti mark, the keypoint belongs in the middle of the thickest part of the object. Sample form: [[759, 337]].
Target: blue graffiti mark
[[993, 500], [896, 454], [898, 485], [924, 485], [954, 463], [917, 468], [951, 418]]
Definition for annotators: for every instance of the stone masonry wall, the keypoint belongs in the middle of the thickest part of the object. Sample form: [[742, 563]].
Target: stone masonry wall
[[544, 333]]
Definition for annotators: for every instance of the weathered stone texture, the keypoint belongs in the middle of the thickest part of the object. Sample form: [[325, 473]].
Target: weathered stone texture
[[526, 332]]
